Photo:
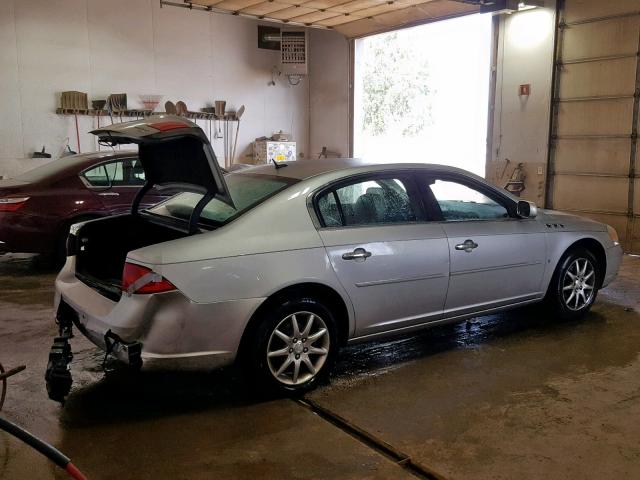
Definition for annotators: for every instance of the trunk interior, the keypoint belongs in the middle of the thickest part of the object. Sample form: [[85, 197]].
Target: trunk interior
[[102, 247]]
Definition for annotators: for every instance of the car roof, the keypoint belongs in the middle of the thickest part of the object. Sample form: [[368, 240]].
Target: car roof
[[70, 165], [303, 169]]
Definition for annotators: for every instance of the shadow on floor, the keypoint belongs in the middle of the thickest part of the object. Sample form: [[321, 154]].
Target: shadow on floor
[[124, 396]]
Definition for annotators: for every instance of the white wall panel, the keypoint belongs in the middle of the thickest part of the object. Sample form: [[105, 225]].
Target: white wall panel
[[133, 47], [53, 55], [10, 125], [329, 103]]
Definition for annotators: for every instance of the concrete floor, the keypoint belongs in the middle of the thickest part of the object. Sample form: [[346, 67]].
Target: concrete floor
[[506, 396]]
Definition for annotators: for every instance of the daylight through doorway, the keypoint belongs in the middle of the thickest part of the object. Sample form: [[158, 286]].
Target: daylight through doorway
[[421, 94]]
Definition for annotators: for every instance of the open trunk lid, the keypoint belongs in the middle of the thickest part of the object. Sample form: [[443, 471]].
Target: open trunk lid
[[174, 153]]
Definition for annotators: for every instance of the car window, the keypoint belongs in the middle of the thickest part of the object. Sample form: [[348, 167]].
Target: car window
[[136, 173], [115, 172], [125, 172], [97, 176], [459, 202], [372, 201], [246, 190], [328, 207]]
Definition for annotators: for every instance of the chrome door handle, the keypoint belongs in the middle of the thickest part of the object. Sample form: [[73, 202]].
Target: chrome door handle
[[109, 194], [357, 254], [467, 246]]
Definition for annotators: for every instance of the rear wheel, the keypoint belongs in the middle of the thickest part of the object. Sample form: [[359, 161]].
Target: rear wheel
[[294, 346], [574, 285]]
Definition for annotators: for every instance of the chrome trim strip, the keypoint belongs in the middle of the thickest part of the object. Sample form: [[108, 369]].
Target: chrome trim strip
[[400, 280], [183, 355], [500, 267]]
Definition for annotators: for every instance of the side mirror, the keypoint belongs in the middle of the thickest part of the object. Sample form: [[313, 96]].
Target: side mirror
[[526, 209]]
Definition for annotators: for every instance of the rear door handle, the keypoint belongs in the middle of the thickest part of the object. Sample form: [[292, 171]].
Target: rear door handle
[[357, 254], [109, 194], [467, 246]]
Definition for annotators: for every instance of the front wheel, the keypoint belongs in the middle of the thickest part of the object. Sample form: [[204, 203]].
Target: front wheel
[[574, 285], [294, 346]]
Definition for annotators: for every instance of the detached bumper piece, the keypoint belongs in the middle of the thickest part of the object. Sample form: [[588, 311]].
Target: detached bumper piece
[[58, 374]]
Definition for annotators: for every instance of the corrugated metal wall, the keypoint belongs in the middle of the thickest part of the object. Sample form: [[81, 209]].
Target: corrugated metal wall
[[594, 146]]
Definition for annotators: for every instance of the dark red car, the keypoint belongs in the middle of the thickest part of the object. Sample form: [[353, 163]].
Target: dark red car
[[38, 207]]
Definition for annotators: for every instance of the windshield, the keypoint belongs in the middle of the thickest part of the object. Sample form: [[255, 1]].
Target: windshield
[[247, 190]]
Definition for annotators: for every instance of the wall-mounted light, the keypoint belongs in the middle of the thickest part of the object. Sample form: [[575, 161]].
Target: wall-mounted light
[[497, 7], [530, 29]]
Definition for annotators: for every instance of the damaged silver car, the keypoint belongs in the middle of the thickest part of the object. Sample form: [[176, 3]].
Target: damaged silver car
[[277, 266]]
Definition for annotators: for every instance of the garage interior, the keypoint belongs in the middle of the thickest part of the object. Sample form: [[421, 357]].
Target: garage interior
[[517, 394]]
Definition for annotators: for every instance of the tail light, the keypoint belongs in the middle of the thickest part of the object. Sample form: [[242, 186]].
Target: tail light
[[139, 279], [11, 204]]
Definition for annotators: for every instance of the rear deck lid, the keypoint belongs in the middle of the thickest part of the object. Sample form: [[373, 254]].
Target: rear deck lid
[[174, 152]]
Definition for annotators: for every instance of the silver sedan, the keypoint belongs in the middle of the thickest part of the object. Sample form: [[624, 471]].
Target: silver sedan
[[276, 266]]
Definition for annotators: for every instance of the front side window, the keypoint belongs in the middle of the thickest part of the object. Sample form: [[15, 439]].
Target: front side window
[[368, 202], [245, 189], [459, 202]]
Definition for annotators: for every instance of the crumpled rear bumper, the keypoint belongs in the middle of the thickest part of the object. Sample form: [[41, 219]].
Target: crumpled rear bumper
[[169, 329]]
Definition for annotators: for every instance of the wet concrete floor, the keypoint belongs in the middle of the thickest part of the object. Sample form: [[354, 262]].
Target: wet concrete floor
[[516, 395]]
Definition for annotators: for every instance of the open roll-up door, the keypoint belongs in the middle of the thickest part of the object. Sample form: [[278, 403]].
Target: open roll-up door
[[594, 146], [352, 18]]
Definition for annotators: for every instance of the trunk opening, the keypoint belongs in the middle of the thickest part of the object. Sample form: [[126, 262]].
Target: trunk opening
[[102, 246]]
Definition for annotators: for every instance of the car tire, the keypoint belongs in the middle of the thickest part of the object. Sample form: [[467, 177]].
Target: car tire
[[574, 285], [281, 360]]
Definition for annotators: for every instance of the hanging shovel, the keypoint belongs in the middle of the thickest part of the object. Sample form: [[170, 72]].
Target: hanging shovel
[[239, 114]]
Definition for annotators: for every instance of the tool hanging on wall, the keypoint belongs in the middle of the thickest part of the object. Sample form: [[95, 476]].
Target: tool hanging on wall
[[116, 104], [325, 153], [239, 114], [515, 185], [170, 108], [75, 101], [75, 115], [66, 150], [219, 106], [181, 108], [98, 106], [226, 143], [41, 154]]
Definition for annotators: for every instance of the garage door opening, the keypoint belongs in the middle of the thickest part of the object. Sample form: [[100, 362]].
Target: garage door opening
[[421, 94]]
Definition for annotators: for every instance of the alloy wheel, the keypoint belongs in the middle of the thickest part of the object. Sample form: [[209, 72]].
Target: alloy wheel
[[578, 285], [295, 355]]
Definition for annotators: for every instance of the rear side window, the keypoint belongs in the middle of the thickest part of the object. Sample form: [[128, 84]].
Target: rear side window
[[367, 202], [126, 172], [97, 176]]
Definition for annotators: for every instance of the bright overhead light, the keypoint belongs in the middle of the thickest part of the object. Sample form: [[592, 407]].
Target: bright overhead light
[[526, 6]]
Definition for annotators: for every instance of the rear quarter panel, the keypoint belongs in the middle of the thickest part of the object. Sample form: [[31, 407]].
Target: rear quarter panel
[[271, 247]]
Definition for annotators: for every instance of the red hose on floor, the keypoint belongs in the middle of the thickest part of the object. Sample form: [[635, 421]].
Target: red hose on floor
[[74, 473], [52, 453]]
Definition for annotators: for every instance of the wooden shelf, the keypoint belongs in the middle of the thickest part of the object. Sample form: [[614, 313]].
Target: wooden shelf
[[231, 117]]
